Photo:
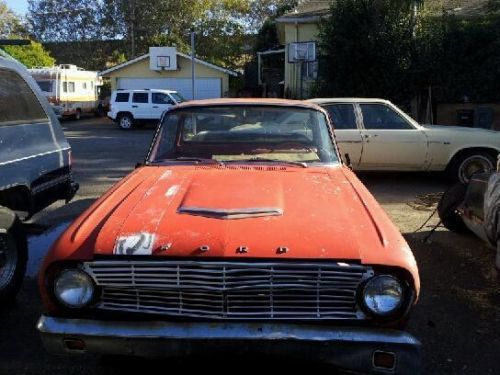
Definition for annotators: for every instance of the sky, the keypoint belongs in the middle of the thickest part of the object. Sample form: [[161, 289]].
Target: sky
[[18, 6]]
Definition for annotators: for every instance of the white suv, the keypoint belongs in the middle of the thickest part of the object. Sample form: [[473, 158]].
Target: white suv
[[130, 108]]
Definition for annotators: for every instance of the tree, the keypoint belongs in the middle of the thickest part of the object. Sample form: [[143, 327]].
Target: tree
[[10, 23], [12, 26], [67, 20], [31, 56], [367, 49]]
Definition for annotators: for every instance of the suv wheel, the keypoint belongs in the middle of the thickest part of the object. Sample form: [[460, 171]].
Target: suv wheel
[[125, 121], [13, 259]]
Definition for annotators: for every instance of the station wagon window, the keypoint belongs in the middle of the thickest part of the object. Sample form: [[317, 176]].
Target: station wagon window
[[18, 103], [140, 97], [382, 117], [342, 116], [160, 98], [122, 97]]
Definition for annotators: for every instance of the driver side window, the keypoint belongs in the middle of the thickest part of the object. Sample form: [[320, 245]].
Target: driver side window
[[382, 117]]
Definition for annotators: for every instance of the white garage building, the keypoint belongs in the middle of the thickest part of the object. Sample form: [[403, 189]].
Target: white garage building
[[166, 68]]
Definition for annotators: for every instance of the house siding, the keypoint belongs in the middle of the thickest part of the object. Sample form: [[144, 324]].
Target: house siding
[[141, 69], [301, 32]]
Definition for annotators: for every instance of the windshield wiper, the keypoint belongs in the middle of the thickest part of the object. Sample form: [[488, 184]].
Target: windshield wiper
[[190, 159], [258, 159]]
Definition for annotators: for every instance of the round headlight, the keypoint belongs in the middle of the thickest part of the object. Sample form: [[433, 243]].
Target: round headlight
[[383, 295], [74, 288]]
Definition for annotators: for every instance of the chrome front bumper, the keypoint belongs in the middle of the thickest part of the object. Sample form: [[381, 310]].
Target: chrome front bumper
[[347, 348]]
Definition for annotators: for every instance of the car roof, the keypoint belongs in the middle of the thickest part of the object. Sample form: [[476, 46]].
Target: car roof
[[249, 101], [347, 100], [149, 90]]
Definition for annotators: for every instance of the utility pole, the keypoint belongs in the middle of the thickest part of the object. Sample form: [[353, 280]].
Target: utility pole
[[192, 62]]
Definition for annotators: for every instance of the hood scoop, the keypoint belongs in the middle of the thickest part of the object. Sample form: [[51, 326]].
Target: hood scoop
[[231, 214]]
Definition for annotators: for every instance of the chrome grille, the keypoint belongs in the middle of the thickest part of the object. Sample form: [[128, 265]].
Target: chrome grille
[[231, 290]]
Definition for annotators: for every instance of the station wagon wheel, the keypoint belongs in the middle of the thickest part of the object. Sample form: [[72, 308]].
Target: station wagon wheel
[[470, 163], [13, 258], [125, 121]]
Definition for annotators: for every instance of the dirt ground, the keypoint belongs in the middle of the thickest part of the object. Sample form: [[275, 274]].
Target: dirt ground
[[457, 317]]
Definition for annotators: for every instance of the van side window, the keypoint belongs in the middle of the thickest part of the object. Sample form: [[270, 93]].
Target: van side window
[[122, 97], [18, 103], [140, 97]]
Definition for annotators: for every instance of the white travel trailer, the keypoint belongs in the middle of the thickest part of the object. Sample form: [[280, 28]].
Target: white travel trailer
[[72, 90]]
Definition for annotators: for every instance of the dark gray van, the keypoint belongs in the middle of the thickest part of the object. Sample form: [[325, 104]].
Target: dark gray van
[[35, 166]]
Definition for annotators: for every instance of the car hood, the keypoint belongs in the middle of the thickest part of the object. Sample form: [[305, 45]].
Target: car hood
[[237, 211]]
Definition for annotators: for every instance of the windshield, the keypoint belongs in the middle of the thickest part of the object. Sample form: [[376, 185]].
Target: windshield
[[45, 86], [244, 133], [177, 97]]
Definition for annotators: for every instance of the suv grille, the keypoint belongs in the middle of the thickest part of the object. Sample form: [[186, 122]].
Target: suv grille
[[231, 290]]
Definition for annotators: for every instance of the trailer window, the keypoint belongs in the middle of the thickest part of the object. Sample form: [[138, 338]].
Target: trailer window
[[85, 85], [68, 86], [18, 103], [45, 86]]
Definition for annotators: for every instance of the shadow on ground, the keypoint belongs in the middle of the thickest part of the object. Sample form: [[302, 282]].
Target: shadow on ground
[[458, 315]]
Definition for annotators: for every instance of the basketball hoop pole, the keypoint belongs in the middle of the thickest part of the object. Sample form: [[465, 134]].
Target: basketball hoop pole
[[192, 61]]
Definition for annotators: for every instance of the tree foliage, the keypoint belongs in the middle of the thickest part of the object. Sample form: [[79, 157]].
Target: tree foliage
[[32, 55], [366, 48], [12, 26], [222, 26], [379, 48], [10, 23]]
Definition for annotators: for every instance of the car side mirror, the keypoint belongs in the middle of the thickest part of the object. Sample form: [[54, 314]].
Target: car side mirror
[[347, 160]]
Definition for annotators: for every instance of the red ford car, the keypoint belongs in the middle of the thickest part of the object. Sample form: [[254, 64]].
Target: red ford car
[[242, 230]]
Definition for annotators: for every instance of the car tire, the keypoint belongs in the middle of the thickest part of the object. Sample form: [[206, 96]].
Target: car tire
[[125, 121], [447, 208], [13, 260], [78, 115], [467, 164]]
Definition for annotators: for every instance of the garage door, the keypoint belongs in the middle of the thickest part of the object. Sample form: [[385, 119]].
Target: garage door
[[205, 88]]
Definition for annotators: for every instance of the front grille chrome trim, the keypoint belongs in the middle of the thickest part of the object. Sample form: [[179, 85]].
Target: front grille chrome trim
[[260, 290]]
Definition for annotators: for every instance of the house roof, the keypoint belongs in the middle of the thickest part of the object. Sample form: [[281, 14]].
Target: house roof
[[143, 57], [311, 11]]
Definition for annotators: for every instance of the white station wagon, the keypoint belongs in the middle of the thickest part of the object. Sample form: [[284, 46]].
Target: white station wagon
[[378, 136]]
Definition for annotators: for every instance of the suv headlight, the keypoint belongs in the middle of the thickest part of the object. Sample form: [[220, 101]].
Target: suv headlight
[[383, 295], [74, 288]]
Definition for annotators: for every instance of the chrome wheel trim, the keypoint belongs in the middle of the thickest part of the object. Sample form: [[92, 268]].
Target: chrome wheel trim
[[8, 260], [125, 122], [472, 165]]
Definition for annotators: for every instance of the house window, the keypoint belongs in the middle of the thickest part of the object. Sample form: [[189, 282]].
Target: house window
[[310, 70]]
